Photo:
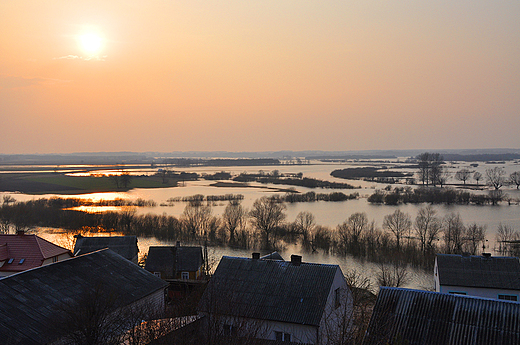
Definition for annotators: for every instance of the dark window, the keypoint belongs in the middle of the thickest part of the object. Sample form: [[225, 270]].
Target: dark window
[[281, 336], [508, 297]]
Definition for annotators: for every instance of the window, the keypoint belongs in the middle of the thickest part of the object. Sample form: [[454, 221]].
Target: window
[[21, 261], [457, 292], [157, 274], [185, 275], [281, 336], [508, 297], [337, 298], [54, 259], [10, 261]]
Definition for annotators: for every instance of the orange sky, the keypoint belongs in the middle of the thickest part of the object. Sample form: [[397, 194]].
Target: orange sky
[[259, 75]]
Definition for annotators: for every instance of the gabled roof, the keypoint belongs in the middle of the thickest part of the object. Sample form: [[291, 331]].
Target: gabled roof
[[479, 271], [420, 317], [169, 258], [31, 299], [31, 248], [269, 290], [126, 246]]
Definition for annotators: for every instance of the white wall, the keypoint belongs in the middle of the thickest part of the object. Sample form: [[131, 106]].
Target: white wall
[[479, 292]]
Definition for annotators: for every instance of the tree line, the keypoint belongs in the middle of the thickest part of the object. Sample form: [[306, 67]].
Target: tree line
[[265, 226]]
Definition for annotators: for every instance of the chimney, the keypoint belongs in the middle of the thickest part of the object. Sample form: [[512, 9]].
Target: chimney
[[296, 260], [20, 232], [256, 256], [486, 255], [178, 244]]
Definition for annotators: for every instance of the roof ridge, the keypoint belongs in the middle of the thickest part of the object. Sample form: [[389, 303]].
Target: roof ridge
[[38, 239]]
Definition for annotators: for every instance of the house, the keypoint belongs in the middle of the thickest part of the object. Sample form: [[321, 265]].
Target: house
[[36, 305], [290, 301], [175, 262], [22, 251], [126, 246], [484, 276], [403, 316]]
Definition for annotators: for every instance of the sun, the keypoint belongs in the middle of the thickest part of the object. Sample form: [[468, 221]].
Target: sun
[[91, 43]]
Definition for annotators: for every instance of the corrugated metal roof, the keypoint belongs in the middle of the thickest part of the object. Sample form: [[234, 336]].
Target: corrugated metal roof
[[478, 271], [269, 290], [126, 246], [30, 301], [421, 317], [31, 248]]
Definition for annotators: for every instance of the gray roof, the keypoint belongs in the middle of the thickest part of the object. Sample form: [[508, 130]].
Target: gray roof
[[166, 258], [269, 290], [420, 317], [126, 246], [478, 271], [272, 256], [31, 299]]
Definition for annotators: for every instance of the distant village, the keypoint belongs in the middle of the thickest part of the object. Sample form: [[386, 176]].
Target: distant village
[[99, 294]]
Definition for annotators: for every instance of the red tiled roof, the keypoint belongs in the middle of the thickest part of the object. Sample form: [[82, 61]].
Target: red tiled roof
[[33, 250]]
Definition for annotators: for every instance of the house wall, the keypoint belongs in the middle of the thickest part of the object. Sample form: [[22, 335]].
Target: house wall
[[479, 292], [336, 321], [60, 258], [260, 329]]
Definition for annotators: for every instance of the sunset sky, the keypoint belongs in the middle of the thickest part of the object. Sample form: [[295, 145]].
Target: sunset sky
[[235, 75]]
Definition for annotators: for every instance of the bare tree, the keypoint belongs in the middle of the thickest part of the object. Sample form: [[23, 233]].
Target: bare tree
[[514, 178], [267, 213], [454, 233], [352, 229], [427, 227], [399, 223], [495, 177], [475, 236], [506, 235], [430, 170], [234, 218], [394, 275], [463, 175], [196, 217], [477, 176], [304, 224], [125, 179]]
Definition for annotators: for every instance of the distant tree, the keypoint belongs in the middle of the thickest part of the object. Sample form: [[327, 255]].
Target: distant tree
[[267, 214], [399, 223], [477, 176], [125, 179], [443, 176], [495, 177], [427, 227], [454, 233], [463, 175], [475, 236], [394, 275], [234, 218], [304, 224], [116, 179], [430, 168], [514, 178], [196, 218], [504, 236]]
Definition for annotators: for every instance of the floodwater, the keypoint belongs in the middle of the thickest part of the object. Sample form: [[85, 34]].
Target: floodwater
[[326, 213]]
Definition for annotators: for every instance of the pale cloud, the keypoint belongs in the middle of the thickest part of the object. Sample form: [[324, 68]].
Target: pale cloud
[[13, 82]]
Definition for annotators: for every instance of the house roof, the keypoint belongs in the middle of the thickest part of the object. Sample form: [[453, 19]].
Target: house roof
[[166, 258], [269, 290], [272, 256], [33, 250], [420, 317], [126, 246], [31, 299], [479, 271]]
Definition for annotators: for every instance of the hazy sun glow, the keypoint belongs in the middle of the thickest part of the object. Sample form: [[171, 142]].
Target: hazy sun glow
[[91, 43]]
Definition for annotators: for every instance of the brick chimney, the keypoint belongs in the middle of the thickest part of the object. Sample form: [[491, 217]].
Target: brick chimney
[[256, 256], [20, 232]]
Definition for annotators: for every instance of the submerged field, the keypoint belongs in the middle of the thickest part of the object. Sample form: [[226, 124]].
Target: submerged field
[[58, 183]]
